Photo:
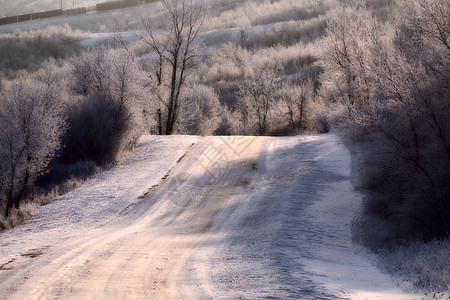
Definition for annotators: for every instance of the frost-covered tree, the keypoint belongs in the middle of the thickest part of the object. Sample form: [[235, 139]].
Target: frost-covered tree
[[257, 96], [387, 85], [110, 84], [294, 101], [200, 112], [174, 53], [31, 125], [346, 74], [430, 19], [108, 71]]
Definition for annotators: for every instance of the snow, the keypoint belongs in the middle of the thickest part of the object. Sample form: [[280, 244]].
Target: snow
[[90, 22], [295, 241], [19, 7], [97, 38], [100, 199], [237, 217]]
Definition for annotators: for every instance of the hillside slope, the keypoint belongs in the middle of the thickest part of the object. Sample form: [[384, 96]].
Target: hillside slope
[[200, 217]]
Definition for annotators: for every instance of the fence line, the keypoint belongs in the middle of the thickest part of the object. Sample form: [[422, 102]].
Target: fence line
[[71, 12], [74, 11]]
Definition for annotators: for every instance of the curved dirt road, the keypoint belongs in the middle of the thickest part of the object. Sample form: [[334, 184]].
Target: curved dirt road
[[236, 217]]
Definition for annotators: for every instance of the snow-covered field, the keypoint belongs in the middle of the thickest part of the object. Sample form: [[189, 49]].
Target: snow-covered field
[[90, 22], [201, 217], [19, 7]]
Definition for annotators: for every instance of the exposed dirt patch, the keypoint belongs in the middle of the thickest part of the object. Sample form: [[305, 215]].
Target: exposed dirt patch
[[149, 191], [181, 158], [34, 252], [243, 182], [5, 266], [251, 164]]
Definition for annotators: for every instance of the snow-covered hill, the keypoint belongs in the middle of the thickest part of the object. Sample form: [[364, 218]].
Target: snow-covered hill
[[201, 217]]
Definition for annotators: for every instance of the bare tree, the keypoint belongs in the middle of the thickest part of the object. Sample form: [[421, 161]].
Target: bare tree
[[431, 18], [175, 51], [114, 73], [257, 95], [32, 123], [348, 31], [294, 99]]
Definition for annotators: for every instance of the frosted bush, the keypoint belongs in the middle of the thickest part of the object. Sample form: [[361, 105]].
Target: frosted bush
[[420, 267], [200, 112], [109, 119], [28, 49]]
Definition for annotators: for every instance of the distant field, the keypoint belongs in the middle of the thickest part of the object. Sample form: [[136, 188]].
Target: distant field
[[20, 7], [91, 22]]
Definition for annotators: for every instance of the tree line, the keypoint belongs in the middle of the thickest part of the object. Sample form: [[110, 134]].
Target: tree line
[[386, 88]]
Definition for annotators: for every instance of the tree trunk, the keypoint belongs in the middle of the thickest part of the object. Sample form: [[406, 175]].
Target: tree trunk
[[9, 196], [160, 130], [172, 101], [23, 189], [9, 202], [291, 118], [301, 112]]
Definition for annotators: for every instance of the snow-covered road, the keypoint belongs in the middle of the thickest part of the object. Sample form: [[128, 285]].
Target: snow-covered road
[[200, 217]]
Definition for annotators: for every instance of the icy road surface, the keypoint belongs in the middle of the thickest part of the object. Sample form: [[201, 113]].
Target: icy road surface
[[200, 218]]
